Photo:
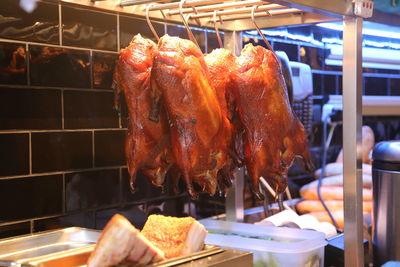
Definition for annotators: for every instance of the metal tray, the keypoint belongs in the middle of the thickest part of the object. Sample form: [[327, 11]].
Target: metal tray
[[69, 247], [29, 248]]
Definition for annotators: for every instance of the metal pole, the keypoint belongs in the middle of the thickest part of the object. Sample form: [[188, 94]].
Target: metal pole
[[352, 136], [234, 199]]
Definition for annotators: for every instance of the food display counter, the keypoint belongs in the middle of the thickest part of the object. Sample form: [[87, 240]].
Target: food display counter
[[233, 17], [73, 246]]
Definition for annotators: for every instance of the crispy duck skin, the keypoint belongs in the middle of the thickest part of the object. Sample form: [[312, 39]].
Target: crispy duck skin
[[180, 78], [221, 65], [273, 134], [147, 146]]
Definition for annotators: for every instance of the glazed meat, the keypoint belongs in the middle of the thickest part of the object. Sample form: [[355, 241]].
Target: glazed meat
[[273, 135], [221, 65], [200, 132], [147, 146]]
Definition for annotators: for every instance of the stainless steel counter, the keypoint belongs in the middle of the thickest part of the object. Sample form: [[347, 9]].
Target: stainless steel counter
[[72, 247]]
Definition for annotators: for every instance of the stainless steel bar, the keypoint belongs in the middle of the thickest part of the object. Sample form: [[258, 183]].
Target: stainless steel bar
[[193, 3], [264, 14], [237, 11], [352, 136], [234, 199], [219, 6], [138, 2]]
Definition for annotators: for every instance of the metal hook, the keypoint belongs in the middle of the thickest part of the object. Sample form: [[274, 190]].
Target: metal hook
[[149, 22], [258, 29], [216, 29], [190, 34]]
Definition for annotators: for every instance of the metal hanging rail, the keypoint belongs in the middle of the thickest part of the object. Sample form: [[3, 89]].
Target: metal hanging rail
[[136, 2], [193, 3], [219, 6], [237, 11], [264, 14]]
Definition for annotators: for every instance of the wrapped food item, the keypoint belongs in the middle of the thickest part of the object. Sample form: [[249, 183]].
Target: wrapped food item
[[121, 241], [175, 236], [336, 168], [337, 180], [323, 216], [330, 193], [307, 206]]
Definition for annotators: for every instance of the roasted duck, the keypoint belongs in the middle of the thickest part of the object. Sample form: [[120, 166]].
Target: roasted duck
[[147, 145], [221, 65], [200, 132], [273, 135]]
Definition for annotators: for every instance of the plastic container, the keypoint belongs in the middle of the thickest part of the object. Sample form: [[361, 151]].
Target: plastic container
[[271, 246]]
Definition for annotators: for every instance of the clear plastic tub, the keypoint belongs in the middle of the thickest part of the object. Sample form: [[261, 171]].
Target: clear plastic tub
[[271, 246]]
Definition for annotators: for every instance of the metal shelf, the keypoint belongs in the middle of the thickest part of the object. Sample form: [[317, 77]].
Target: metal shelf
[[234, 15]]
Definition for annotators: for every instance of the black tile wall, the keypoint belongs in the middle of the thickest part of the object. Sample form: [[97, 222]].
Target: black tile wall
[[144, 188], [134, 214], [30, 197], [62, 67], [39, 26], [15, 229], [103, 69], [84, 28], [91, 189], [83, 219], [61, 145], [132, 26], [60, 151], [89, 110], [14, 154], [29, 109], [13, 63], [109, 148]]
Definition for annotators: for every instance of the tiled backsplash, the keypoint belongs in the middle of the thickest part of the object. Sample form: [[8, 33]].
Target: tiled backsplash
[[62, 157]]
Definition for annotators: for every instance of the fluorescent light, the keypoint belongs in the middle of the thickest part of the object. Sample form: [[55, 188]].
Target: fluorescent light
[[393, 34], [338, 62]]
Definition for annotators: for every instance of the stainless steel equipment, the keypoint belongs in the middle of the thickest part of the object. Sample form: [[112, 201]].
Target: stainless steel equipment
[[72, 247], [386, 186]]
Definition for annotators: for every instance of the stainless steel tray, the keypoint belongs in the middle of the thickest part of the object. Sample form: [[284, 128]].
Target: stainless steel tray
[[31, 248], [69, 247]]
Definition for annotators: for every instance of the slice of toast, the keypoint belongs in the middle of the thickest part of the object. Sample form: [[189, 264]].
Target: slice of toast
[[175, 236]]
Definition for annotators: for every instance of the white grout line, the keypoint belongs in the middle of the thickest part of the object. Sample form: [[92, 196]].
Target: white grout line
[[57, 88], [91, 69], [27, 66], [60, 27], [30, 153], [118, 34], [60, 131], [62, 110], [55, 45], [120, 184], [64, 195], [61, 172], [93, 150]]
